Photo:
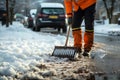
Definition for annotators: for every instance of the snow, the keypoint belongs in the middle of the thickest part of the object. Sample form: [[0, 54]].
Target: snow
[[52, 5], [105, 29], [33, 12], [21, 49]]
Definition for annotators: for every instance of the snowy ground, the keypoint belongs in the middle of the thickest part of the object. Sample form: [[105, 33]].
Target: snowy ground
[[26, 54]]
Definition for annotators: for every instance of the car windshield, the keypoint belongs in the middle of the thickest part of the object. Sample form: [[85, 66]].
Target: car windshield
[[53, 10]]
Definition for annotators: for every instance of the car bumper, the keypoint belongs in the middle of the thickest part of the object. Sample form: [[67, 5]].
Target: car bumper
[[51, 23]]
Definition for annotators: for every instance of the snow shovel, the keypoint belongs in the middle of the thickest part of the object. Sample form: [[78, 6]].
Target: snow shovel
[[65, 51]]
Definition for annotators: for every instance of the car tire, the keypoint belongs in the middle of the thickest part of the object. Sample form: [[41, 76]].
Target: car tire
[[33, 28], [59, 30], [37, 28], [64, 29], [30, 25]]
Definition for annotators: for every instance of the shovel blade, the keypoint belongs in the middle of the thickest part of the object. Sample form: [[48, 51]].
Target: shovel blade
[[64, 52]]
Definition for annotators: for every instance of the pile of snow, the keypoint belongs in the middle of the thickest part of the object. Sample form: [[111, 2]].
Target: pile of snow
[[21, 48]]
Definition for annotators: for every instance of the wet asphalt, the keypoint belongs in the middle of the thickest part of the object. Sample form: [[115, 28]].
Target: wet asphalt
[[111, 62], [112, 42]]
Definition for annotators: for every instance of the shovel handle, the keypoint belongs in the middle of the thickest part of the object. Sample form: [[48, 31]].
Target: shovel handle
[[68, 33]]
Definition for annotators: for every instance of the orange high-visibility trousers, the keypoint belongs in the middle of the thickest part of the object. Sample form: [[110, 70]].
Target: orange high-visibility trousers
[[77, 35], [88, 41], [88, 16], [81, 10]]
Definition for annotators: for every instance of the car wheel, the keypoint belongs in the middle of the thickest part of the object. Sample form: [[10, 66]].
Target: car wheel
[[37, 28], [64, 29], [58, 29], [33, 28], [30, 25]]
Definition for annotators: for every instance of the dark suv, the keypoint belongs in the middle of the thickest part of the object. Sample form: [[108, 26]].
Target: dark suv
[[50, 15]]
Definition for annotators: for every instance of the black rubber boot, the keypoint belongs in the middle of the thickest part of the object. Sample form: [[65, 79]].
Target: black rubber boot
[[79, 52], [85, 54]]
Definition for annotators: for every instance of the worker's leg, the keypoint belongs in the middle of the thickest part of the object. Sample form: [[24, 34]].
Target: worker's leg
[[89, 29], [76, 30]]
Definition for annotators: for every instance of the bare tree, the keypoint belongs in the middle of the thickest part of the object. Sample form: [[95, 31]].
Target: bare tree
[[12, 5], [7, 8], [109, 6]]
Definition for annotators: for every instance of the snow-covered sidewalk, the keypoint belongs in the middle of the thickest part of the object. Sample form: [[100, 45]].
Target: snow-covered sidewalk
[[21, 48]]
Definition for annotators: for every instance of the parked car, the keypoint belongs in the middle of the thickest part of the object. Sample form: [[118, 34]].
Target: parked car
[[50, 15], [31, 18], [19, 17]]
